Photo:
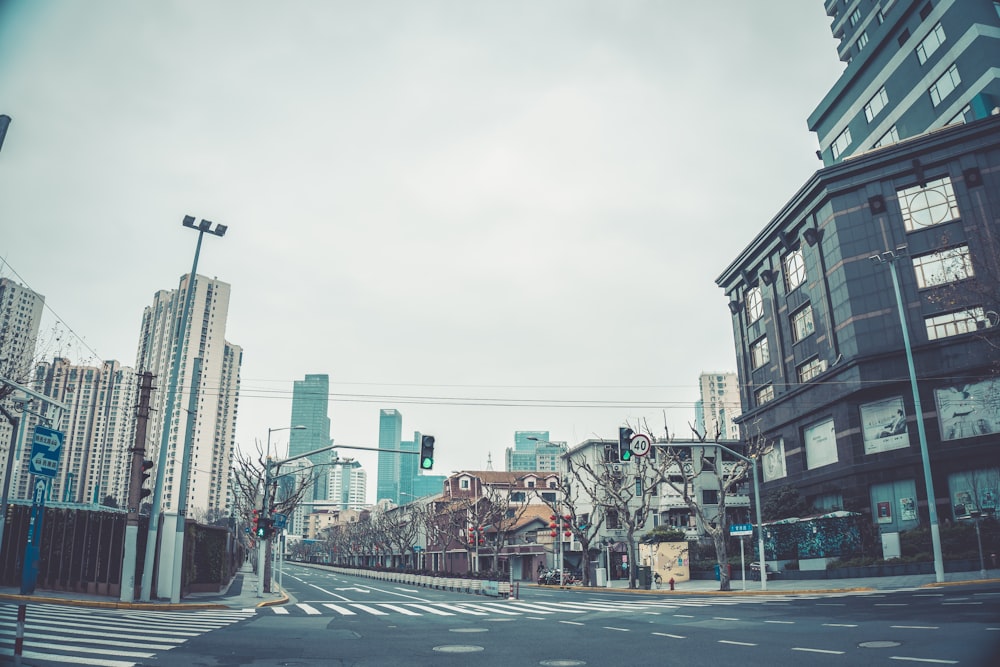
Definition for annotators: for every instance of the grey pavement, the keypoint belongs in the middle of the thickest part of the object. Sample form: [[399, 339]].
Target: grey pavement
[[242, 591]]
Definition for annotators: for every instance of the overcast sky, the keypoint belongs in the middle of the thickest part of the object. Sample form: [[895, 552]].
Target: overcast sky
[[491, 216]]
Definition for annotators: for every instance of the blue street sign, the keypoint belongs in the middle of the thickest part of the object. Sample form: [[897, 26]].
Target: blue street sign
[[280, 520], [740, 529], [46, 449]]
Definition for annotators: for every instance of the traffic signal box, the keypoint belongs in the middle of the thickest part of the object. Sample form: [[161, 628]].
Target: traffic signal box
[[426, 452], [625, 444]]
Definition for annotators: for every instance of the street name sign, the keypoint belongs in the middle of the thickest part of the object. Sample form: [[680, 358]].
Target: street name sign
[[741, 529], [46, 449]]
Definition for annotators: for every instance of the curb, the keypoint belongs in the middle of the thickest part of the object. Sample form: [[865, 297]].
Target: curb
[[101, 604], [668, 593]]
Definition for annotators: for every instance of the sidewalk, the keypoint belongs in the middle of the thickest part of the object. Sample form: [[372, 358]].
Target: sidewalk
[[242, 592], [787, 586]]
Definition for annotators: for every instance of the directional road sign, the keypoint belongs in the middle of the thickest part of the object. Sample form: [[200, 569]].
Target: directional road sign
[[46, 448]]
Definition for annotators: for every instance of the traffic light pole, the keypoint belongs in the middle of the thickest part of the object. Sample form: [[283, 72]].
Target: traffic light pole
[[129, 556]]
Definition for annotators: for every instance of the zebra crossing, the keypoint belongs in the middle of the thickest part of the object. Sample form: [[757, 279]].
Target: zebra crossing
[[104, 637], [507, 608]]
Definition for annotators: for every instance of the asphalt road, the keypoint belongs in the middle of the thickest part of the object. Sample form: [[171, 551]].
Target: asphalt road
[[340, 620], [336, 620]]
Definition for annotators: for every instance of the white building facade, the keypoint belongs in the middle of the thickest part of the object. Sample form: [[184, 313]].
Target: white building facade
[[213, 436]]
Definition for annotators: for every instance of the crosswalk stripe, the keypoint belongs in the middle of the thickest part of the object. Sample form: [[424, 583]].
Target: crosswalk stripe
[[340, 610], [370, 610], [401, 610], [462, 610], [280, 610], [431, 610], [526, 608], [492, 610], [308, 609]]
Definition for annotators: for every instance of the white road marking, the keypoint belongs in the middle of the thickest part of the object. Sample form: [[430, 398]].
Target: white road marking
[[308, 609], [340, 610], [915, 627], [727, 641], [932, 660], [817, 650], [782, 622], [370, 610], [608, 627], [839, 625], [667, 634]]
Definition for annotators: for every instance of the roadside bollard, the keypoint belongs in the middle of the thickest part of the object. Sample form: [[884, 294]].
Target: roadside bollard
[[671, 582]]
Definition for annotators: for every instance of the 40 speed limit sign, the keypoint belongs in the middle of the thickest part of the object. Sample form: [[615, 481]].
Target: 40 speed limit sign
[[640, 444]]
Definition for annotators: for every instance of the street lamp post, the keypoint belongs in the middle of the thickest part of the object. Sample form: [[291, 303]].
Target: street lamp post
[[890, 257], [760, 524], [168, 412], [265, 507]]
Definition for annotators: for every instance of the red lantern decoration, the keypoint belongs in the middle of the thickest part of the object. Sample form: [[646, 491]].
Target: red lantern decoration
[[553, 533]]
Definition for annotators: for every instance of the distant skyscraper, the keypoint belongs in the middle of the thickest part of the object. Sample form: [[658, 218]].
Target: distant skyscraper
[[533, 451], [98, 427], [20, 317], [913, 66], [719, 405], [214, 433], [310, 408], [390, 430]]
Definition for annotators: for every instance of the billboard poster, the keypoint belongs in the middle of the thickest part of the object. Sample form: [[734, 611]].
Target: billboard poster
[[884, 425], [884, 511], [821, 444], [774, 461], [969, 410], [907, 509]]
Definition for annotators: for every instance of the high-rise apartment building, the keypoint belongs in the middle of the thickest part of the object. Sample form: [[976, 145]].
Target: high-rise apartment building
[[913, 66], [98, 426], [348, 484], [20, 318], [390, 436], [533, 451], [213, 435], [880, 261], [310, 408], [718, 405]]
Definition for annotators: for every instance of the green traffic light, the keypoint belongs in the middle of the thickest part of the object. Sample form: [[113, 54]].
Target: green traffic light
[[627, 455], [426, 463]]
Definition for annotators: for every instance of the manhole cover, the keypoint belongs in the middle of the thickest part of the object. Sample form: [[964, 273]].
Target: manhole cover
[[468, 630], [879, 644], [458, 649], [561, 663]]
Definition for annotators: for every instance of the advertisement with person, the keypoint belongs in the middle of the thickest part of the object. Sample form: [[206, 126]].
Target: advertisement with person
[[884, 425]]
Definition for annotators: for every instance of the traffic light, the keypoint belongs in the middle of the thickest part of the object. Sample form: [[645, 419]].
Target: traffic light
[[147, 466], [625, 444], [255, 520], [265, 528], [426, 452]]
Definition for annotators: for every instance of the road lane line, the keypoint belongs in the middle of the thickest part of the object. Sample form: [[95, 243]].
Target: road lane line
[[817, 650], [915, 627], [572, 622], [931, 660], [729, 641], [667, 634], [724, 618], [782, 622], [839, 625], [608, 627]]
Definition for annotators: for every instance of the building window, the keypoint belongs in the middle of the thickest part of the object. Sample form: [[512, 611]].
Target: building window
[[531, 484], [944, 85], [517, 497], [548, 497], [755, 304], [946, 266], [841, 143], [929, 205], [464, 483], [764, 394], [953, 324], [890, 137], [795, 270], [709, 497], [925, 11], [862, 41], [855, 17], [611, 519], [638, 486], [929, 44], [811, 369], [876, 104], [759, 353], [802, 323], [963, 116]]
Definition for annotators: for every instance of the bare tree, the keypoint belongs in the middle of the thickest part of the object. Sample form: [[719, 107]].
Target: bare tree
[[502, 515], [248, 476], [398, 528], [685, 468], [585, 526], [623, 493]]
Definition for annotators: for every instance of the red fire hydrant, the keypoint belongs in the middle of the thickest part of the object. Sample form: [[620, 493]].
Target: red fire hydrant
[[671, 582]]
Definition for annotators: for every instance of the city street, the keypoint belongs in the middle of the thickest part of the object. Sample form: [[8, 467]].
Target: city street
[[333, 619]]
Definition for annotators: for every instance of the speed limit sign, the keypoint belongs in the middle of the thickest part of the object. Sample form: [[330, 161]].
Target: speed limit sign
[[640, 444]]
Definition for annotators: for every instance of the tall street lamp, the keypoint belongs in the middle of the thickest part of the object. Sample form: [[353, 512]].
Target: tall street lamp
[[890, 257], [265, 506], [168, 414]]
